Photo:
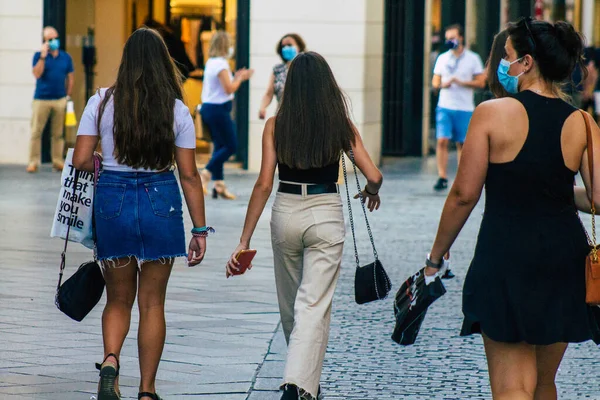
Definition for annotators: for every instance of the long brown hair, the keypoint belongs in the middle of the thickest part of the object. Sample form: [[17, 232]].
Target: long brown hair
[[497, 53], [147, 85], [312, 126]]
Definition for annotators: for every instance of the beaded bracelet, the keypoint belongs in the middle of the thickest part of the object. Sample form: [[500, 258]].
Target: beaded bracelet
[[202, 231]]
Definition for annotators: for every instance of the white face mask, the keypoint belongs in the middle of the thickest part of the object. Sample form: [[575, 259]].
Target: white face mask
[[231, 52]]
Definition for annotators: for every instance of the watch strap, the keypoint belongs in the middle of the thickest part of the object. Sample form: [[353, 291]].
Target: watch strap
[[431, 264]]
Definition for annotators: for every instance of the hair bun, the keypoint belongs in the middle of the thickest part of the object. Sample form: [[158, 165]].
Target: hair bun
[[569, 39]]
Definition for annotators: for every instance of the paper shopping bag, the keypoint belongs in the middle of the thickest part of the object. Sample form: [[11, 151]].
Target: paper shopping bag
[[75, 205]]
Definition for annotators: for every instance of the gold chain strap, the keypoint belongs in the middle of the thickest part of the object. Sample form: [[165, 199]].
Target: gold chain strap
[[594, 244]]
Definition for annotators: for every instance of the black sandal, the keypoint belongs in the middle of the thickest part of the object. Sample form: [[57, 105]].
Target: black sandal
[[153, 396], [108, 376]]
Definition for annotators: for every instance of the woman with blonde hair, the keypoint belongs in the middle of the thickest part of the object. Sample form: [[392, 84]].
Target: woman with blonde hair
[[218, 91]]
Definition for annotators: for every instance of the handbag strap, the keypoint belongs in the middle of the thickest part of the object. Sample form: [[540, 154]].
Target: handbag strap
[[590, 154], [360, 195], [63, 255]]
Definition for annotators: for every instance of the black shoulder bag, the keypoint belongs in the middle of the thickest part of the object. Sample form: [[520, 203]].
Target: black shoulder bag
[[371, 282], [83, 290]]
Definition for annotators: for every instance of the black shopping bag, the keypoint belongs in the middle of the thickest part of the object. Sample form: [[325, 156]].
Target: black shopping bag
[[410, 306]]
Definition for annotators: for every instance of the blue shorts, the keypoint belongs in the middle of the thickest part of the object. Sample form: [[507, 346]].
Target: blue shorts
[[138, 214], [452, 124]]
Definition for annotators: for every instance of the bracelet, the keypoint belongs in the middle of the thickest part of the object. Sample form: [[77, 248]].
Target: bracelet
[[431, 264], [203, 230], [200, 235], [372, 194]]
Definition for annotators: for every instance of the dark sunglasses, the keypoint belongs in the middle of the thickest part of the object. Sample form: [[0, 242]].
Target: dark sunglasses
[[526, 22]]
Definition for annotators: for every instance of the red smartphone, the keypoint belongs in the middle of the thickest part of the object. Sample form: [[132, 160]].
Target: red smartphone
[[244, 257]]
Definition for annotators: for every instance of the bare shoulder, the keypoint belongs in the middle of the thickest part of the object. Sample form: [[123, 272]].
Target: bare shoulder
[[575, 127], [502, 104], [498, 109]]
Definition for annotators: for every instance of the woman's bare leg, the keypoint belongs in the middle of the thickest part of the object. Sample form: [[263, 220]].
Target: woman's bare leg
[[152, 290]]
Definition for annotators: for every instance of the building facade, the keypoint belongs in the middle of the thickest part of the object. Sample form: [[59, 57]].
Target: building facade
[[381, 52]]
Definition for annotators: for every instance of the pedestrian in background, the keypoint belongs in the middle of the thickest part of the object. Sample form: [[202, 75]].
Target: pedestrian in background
[[589, 82], [288, 48], [456, 74], [305, 140], [525, 289], [53, 71], [218, 90], [175, 46], [144, 128]]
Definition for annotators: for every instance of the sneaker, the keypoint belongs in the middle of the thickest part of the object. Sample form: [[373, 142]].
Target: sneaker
[[290, 392], [448, 275], [441, 184]]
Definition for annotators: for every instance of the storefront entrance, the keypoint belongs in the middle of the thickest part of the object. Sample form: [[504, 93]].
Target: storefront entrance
[[94, 32]]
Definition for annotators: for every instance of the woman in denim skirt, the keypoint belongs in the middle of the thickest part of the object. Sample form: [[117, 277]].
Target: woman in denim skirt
[[305, 141], [144, 128]]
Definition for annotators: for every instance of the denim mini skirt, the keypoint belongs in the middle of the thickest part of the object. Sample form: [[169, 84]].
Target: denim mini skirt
[[138, 214]]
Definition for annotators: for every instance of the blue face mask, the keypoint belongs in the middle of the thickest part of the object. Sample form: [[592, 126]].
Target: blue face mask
[[452, 44], [289, 53], [509, 83], [54, 44]]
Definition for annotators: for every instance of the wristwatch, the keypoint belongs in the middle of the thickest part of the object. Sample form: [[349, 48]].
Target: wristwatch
[[431, 264]]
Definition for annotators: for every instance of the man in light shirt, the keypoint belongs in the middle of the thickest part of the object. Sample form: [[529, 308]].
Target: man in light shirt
[[457, 73]]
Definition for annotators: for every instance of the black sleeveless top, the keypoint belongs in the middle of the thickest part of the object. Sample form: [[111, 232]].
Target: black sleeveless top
[[326, 174], [537, 181]]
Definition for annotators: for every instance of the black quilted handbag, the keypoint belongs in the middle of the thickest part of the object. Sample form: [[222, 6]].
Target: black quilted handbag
[[371, 282], [83, 290]]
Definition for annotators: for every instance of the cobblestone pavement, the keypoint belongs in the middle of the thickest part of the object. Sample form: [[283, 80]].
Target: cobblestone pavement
[[223, 340]]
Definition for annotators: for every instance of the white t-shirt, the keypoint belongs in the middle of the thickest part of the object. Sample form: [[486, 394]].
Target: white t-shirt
[[212, 90], [183, 129], [464, 68]]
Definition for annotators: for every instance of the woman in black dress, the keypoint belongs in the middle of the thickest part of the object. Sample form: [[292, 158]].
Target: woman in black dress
[[525, 289]]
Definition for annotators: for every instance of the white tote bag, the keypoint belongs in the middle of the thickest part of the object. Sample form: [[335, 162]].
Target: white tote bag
[[75, 205]]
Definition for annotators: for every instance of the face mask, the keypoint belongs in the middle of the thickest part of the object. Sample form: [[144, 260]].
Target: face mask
[[54, 44], [452, 44], [289, 53], [231, 52], [509, 83]]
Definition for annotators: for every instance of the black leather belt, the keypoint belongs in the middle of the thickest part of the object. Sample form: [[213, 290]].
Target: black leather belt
[[310, 189]]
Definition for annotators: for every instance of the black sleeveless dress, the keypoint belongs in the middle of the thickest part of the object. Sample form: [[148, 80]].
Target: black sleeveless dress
[[526, 282]]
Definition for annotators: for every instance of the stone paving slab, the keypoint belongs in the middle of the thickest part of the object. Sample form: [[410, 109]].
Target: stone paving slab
[[218, 333], [223, 340]]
